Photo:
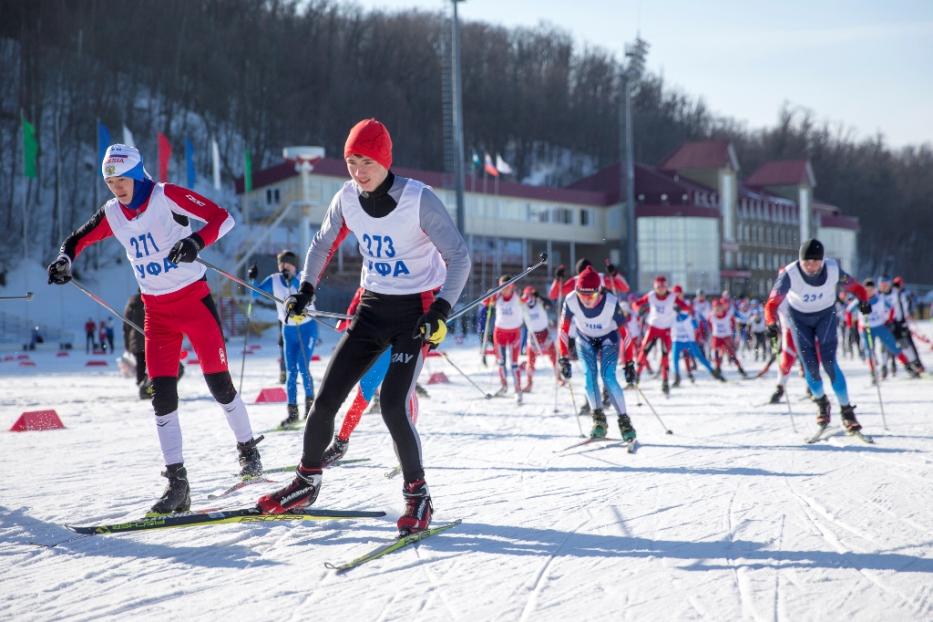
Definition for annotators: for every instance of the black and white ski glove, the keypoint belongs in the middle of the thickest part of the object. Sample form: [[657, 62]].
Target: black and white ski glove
[[630, 373], [432, 325], [566, 371], [186, 249], [298, 302], [60, 270]]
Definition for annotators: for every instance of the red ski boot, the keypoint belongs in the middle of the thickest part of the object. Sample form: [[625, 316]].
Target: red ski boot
[[418, 508], [300, 493]]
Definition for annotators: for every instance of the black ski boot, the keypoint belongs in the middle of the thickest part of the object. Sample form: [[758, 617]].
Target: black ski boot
[[309, 402], [822, 419], [600, 427], [626, 429], [335, 451], [177, 495], [249, 458], [421, 391], [849, 422], [777, 395], [665, 388], [584, 410], [692, 379], [292, 417], [676, 380], [717, 374]]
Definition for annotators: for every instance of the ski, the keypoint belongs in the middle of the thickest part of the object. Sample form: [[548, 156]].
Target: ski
[[289, 469], [392, 472], [818, 435], [385, 549], [194, 519], [865, 439], [220, 494]]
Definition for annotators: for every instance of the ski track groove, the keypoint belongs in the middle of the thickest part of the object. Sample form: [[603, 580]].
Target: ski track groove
[[435, 583], [541, 577], [778, 601], [746, 599], [834, 541]]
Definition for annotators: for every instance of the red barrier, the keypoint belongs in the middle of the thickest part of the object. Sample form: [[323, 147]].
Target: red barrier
[[95, 363], [37, 420], [271, 395], [438, 377]]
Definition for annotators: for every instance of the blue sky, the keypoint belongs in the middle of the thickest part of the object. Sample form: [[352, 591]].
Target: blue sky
[[864, 65]]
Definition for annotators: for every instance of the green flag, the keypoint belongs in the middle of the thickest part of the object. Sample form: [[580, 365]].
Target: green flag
[[30, 148], [247, 171]]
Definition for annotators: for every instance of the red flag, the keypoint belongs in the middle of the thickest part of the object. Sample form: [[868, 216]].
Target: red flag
[[489, 167], [165, 154]]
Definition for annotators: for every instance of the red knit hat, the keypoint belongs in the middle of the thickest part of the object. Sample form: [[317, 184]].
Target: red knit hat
[[370, 138], [588, 280], [678, 289], [660, 279]]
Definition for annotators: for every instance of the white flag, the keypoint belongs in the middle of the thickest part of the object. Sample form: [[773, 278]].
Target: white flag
[[502, 166], [128, 137], [216, 153]]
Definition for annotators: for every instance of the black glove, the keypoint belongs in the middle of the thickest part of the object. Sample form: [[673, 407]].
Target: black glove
[[296, 303], [566, 371], [630, 373], [186, 249], [60, 270], [865, 307], [432, 325], [773, 333], [252, 273], [560, 272]]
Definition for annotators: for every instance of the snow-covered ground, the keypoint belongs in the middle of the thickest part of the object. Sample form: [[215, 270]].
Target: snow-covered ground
[[732, 517]]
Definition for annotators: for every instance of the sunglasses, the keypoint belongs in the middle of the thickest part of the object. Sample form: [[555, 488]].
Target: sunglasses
[[588, 295]]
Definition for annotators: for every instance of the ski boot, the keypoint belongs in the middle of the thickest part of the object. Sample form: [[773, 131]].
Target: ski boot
[[177, 495], [777, 395], [527, 387], [600, 427], [626, 429], [335, 451], [300, 493], [503, 389], [676, 380], [249, 458], [743, 373], [418, 508], [421, 391], [849, 422], [884, 372], [292, 417], [717, 374], [374, 407], [665, 388], [692, 379], [309, 402], [912, 370], [584, 410], [281, 376], [822, 419]]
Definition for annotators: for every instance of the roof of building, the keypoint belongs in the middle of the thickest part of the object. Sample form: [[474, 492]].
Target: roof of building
[[704, 154], [650, 184], [783, 173], [337, 168]]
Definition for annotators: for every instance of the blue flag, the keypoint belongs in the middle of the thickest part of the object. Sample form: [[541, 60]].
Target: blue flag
[[189, 162], [103, 141]]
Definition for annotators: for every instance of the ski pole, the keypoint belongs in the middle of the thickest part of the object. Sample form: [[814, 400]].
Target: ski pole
[[100, 301], [640, 392], [576, 415], [249, 315], [27, 297], [314, 313], [871, 354], [541, 261], [486, 395]]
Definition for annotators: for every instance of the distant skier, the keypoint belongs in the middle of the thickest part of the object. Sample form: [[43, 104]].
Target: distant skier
[[662, 309], [507, 309], [809, 286], [152, 222], [299, 333], [600, 330], [540, 342]]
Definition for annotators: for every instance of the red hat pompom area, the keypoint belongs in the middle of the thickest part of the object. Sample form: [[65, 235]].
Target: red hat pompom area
[[588, 280], [370, 138]]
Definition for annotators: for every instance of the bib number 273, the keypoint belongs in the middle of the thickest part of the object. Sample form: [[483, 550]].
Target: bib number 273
[[379, 246]]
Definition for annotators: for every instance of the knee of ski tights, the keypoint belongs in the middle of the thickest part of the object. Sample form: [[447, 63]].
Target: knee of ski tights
[[221, 386], [164, 395]]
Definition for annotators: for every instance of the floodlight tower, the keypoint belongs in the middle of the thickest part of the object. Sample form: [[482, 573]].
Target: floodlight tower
[[635, 54]]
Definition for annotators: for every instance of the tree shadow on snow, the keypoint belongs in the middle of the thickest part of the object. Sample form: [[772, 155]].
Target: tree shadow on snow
[[26, 530], [702, 556]]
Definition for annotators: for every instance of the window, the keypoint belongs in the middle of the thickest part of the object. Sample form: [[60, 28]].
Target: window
[[562, 215], [538, 213], [585, 217], [272, 196]]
